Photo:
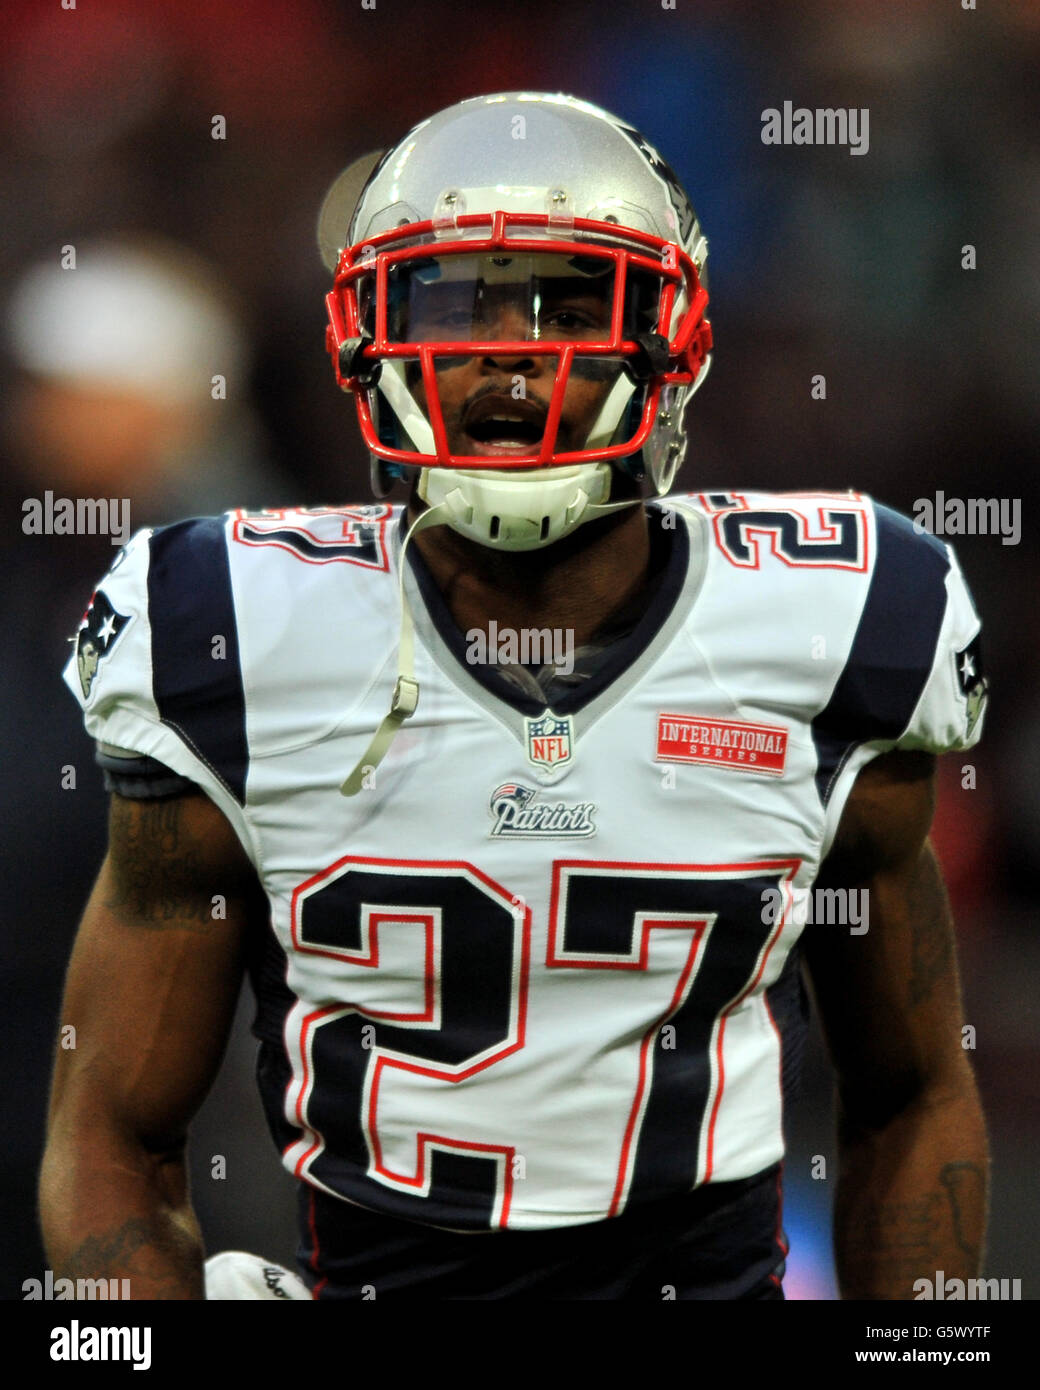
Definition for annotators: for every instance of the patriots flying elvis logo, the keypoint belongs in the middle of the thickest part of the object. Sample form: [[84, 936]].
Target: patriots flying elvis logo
[[98, 633], [972, 682]]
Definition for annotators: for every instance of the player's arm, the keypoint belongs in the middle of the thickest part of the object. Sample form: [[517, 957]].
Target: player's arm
[[151, 992], [913, 1160]]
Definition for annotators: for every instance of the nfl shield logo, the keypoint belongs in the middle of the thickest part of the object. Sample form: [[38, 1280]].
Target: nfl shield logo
[[549, 740]]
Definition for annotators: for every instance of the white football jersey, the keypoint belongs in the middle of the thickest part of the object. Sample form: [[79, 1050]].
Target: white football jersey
[[541, 965]]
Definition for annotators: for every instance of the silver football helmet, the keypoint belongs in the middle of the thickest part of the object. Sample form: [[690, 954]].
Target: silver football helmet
[[509, 242]]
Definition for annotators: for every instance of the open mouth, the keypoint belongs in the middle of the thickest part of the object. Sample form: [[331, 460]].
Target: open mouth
[[506, 432], [496, 426]]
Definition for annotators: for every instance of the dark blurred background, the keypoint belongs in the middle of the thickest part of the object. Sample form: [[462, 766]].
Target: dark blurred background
[[821, 262]]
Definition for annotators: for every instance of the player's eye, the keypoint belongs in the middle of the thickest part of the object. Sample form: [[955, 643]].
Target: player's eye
[[580, 320], [569, 318], [455, 318], [437, 315]]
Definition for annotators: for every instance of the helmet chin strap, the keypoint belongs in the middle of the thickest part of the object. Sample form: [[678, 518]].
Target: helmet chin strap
[[406, 691]]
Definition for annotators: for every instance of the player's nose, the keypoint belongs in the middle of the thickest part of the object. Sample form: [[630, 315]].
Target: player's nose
[[509, 323]]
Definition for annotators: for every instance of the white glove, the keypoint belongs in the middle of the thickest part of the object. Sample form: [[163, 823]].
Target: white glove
[[233, 1274]]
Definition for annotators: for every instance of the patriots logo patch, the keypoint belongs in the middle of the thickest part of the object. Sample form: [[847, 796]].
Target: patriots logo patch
[[971, 680], [98, 633], [516, 817]]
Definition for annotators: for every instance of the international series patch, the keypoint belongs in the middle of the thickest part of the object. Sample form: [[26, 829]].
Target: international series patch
[[733, 743]]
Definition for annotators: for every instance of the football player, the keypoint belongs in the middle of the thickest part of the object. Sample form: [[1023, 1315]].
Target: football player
[[526, 936]]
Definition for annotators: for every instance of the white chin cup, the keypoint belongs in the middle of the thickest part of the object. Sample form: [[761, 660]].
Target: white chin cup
[[518, 510]]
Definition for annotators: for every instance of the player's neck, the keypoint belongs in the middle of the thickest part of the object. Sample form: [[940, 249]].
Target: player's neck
[[575, 585]]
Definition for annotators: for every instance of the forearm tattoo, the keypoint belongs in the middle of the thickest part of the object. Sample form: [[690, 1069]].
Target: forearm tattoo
[[157, 1264]]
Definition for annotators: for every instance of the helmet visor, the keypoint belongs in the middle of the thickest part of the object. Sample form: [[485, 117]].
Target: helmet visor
[[529, 298]]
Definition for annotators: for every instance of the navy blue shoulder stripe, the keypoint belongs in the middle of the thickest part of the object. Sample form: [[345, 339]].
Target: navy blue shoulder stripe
[[893, 650], [200, 697]]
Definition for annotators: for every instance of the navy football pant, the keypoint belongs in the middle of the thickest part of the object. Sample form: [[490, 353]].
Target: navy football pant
[[722, 1241]]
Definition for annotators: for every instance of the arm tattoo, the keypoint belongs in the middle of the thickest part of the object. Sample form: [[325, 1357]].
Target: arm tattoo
[[965, 1185], [931, 931], [891, 1244], [154, 864], [127, 1252], [902, 1239], [95, 1256]]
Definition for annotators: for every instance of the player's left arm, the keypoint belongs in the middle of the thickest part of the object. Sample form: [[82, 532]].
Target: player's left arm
[[913, 1159]]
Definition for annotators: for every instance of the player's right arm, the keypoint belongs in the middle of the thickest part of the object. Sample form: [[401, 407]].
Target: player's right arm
[[151, 992]]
